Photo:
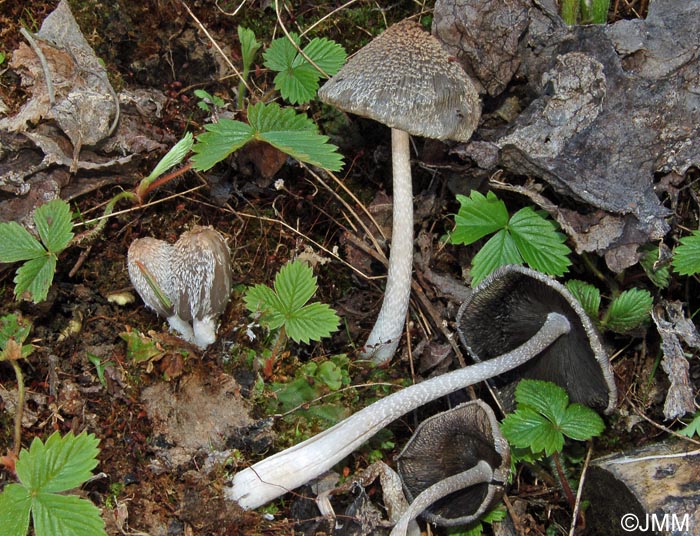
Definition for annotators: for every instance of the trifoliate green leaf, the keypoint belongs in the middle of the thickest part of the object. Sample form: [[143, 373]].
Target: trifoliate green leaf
[[298, 85], [286, 305], [477, 217], [219, 141], [540, 245], [292, 133], [498, 251], [587, 295], [273, 118], [281, 53], [546, 398], [297, 79], [629, 310], [249, 46], [693, 428], [62, 463], [528, 428], [66, 515], [306, 147], [53, 223], [311, 322], [294, 285], [581, 423], [327, 54], [173, 157], [15, 507], [262, 299], [686, 257], [35, 277], [17, 244]]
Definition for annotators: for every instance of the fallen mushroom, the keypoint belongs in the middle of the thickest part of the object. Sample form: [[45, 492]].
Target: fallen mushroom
[[188, 283], [454, 467], [404, 79], [508, 307], [289, 469]]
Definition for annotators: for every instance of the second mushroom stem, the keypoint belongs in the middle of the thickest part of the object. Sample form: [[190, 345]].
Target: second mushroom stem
[[386, 333], [289, 469]]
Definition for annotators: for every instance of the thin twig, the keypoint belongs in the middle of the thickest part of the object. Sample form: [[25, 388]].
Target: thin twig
[[44, 64], [326, 16], [661, 426], [216, 46], [132, 209], [579, 491], [299, 50], [364, 209], [299, 233]]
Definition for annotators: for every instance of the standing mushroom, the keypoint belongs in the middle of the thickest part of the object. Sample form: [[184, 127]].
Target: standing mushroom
[[289, 469], [508, 307], [149, 261], [203, 268], [188, 283], [454, 467], [406, 80]]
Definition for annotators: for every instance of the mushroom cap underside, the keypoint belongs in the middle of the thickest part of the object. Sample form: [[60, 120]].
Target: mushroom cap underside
[[509, 307], [449, 443], [407, 81]]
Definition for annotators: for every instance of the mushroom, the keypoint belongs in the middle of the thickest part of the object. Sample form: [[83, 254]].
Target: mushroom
[[454, 467], [188, 283], [149, 261], [203, 269], [406, 80], [286, 470], [508, 307]]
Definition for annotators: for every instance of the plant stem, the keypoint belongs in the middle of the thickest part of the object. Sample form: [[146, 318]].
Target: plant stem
[[146, 186], [564, 481], [90, 235], [19, 411]]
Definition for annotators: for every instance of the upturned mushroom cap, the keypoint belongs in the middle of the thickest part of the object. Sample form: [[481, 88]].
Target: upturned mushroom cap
[[407, 81], [451, 443], [508, 307]]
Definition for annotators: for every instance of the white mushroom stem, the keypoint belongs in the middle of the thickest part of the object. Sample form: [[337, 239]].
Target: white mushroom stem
[[289, 469], [386, 333], [481, 472]]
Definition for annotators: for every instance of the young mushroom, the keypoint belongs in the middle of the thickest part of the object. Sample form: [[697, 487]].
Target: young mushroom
[[203, 268], [508, 307], [454, 467], [289, 469], [189, 283], [407, 81]]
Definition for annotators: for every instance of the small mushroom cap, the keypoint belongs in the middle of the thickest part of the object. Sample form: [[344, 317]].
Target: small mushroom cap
[[156, 257], [407, 81], [509, 307], [202, 269], [450, 443]]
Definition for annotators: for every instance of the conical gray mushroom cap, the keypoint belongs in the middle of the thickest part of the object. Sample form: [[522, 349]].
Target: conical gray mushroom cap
[[407, 81], [508, 307]]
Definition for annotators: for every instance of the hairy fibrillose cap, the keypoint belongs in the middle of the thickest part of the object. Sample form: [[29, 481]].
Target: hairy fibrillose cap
[[407, 81], [194, 274]]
